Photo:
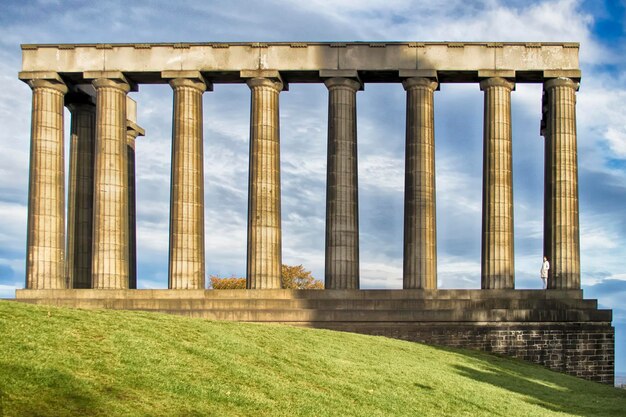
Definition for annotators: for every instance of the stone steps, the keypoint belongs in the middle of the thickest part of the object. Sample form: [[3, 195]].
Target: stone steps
[[302, 306], [380, 316], [303, 294], [267, 310], [321, 304]]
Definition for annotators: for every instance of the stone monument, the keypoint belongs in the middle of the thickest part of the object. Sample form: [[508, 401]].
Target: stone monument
[[94, 265]]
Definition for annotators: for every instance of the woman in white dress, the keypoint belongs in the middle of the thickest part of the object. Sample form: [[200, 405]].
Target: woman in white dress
[[545, 267]]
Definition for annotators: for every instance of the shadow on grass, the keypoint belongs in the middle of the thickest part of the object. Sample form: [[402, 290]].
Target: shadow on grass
[[553, 392], [28, 391]]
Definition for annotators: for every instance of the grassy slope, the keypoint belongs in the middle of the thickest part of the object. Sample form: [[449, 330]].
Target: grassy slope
[[56, 362]]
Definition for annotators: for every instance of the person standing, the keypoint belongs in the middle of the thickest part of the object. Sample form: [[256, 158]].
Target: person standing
[[545, 267]]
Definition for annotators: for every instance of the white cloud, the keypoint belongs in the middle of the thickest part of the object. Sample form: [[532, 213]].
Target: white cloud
[[600, 117], [457, 273]]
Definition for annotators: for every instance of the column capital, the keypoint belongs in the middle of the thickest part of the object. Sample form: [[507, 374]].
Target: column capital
[[561, 82], [342, 82], [49, 84], [188, 82], [193, 79], [420, 82], [117, 78], [43, 79], [496, 82], [264, 82], [111, 83]]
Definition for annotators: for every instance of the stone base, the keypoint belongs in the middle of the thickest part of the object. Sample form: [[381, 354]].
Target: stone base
[[557, 328]]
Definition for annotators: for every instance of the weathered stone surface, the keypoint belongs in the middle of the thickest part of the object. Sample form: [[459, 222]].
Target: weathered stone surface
[[342, 198], [45, 247], [186, 256], [301, 62], [497, 261], [583, 350], [264, 223], [420, 225], [561, 228], [110, 229], [556, 328]]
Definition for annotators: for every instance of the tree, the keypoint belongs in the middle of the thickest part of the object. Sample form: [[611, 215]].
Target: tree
[[298, 278], [232, 283], [293, 277]]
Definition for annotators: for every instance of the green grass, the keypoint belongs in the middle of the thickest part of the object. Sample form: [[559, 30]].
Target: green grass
[[64, 362]]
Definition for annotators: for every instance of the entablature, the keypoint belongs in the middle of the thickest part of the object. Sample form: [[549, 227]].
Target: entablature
[[301, 62]]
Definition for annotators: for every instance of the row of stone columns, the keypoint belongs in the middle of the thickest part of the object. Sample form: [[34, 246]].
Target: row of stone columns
[[101, 241], [100, 245]]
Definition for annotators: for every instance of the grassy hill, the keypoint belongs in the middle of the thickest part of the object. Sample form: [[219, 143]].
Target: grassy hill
[[63, 362]]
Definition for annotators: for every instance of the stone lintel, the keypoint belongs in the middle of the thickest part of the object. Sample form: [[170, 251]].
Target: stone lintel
[[131, 118], [190, 74], [574, 74], [500, 73], [112, 75], [418, 73], [131, 109], [134, 127], [342, 73]]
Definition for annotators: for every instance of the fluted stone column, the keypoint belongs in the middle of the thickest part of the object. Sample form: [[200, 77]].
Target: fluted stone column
[[561, 227], [80, 198], [342, 211], [45, 247], [264, 223], [110, 229], [420, 226], [186, 257], [132, 131], [497, 260]]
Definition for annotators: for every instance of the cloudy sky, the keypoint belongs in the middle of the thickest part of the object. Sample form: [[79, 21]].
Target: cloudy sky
[[597, 25]]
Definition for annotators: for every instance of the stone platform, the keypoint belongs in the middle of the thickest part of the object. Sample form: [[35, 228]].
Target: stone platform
[[558, 329]]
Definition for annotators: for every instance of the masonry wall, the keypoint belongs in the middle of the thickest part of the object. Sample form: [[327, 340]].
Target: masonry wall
[[578, 349]]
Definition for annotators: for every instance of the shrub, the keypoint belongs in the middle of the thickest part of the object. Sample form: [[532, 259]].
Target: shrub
[[233, 283], [293, 277]]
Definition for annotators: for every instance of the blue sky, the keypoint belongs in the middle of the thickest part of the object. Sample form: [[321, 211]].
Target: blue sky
[[597, 25]]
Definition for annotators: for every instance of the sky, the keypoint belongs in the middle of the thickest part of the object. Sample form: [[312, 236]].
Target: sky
[[599, 27]]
